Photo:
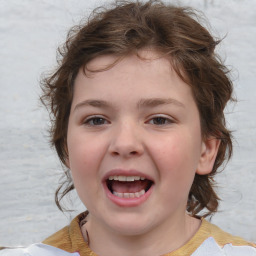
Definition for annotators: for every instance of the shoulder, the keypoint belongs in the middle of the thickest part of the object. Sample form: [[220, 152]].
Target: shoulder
[[70, 238], [220, 243], [66, 242], [60, 239], [221, 237], [211, 248], [63, 238], [36, 250], [210, 240]]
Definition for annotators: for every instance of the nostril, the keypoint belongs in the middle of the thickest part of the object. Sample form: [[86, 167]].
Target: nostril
[[125, 149], [133, 153]]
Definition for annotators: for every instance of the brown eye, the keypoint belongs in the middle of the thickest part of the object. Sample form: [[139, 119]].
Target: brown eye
[[160, 120], [95, 121]]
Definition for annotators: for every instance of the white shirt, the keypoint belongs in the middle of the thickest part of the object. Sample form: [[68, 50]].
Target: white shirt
[[208, 248]]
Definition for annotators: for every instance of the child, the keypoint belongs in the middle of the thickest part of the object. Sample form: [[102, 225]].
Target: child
[[137, 119]]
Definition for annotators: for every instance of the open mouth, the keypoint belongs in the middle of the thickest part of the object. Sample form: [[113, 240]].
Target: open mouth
[[128, 186]]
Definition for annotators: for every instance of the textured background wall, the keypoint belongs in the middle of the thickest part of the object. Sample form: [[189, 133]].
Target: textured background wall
[[30, 31]]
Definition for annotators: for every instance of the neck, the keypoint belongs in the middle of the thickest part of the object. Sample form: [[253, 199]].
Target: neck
[[161, 240]]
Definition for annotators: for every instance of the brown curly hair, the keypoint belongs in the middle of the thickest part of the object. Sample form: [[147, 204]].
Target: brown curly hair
[[123, 29]]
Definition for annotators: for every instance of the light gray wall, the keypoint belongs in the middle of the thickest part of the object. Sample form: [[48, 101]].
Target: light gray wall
[[30, 31]]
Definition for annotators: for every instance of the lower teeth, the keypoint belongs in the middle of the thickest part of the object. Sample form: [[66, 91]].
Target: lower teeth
[[129, 195]]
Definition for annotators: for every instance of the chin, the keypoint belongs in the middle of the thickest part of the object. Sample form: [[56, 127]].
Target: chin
[[130, 225]]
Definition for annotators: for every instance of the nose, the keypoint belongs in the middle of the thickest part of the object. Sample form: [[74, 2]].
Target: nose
[[126, 141]]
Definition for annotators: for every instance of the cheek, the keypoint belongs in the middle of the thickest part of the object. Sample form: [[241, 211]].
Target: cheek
[[84, 159], [84, 155], [176, 158]]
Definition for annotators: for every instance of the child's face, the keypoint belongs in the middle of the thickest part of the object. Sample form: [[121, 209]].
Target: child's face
[[135, 119]]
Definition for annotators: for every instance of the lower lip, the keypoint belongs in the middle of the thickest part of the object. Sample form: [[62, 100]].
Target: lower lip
[[128, 202]]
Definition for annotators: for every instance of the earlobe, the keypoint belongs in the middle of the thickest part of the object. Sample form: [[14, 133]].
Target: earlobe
[[208, 155]]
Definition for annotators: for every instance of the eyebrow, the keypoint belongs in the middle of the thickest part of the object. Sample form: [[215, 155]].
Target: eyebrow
[[154, 102], [93, 103], [143, 103]]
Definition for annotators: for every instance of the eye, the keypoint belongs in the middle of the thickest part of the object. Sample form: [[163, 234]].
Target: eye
[[95, 121], [160, 120]]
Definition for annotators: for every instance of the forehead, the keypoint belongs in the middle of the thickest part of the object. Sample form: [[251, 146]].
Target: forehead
[[146, 66], [130, 79], [142, 57]]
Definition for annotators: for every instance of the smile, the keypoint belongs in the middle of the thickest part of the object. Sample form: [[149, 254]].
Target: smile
[[128, 190]]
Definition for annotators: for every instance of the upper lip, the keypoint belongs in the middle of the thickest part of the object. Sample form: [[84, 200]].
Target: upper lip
[[127, 173]]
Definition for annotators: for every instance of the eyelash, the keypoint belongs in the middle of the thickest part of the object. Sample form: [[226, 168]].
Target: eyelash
[[160, 120], [90, 121]]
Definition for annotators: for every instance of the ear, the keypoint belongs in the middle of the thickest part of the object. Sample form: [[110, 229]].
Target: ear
[[209, 152]]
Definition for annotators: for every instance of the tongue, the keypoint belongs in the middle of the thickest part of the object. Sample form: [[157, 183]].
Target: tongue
[[129, 187]]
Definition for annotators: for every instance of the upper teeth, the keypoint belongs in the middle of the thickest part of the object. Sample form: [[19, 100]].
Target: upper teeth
[[126, 178]]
